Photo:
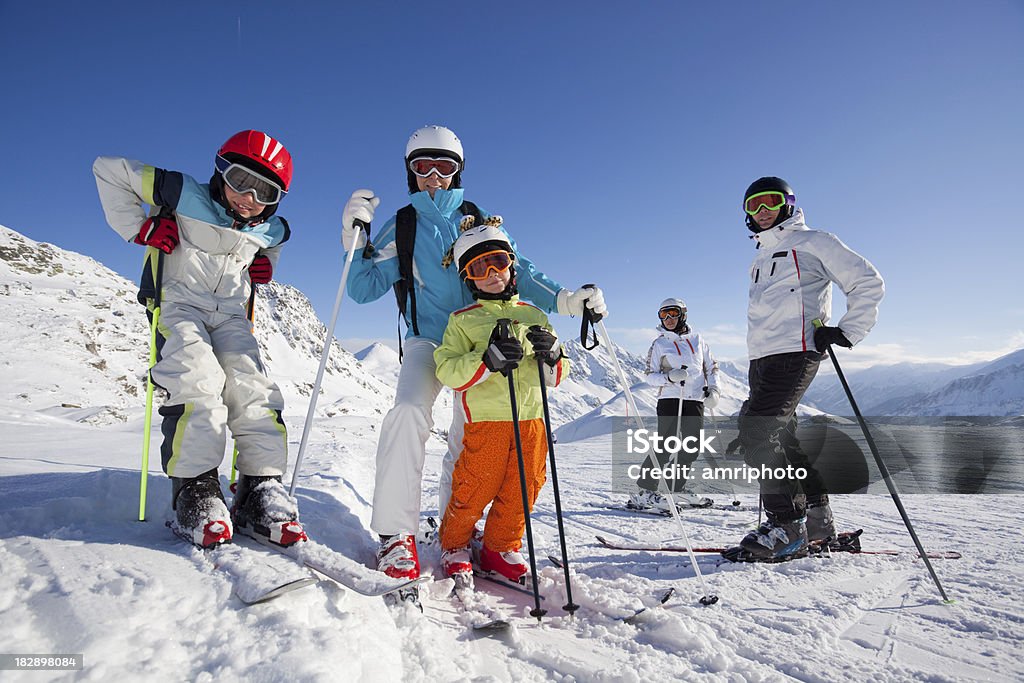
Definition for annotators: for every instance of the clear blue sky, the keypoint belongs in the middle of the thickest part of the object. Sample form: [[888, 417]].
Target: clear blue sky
[[616, 139]]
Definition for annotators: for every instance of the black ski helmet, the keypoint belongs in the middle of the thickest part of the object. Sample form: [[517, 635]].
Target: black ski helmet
[[767, 184]]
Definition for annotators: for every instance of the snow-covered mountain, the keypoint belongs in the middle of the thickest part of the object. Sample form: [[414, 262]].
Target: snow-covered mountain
[[990, 388], [881, 387], [996, 388], [76, 341]]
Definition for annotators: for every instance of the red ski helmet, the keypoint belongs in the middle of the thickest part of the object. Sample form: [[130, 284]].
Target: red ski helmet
[[258, 152]]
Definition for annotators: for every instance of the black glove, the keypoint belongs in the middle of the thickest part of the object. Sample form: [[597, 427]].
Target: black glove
[[503, 355], [824, 336], [544, 342]]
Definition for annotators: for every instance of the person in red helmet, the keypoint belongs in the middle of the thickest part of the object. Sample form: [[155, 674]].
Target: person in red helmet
[[214, 241]]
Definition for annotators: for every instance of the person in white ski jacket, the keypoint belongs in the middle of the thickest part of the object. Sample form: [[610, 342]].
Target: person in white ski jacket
[[680, 364], [209, 244], [791, 282]]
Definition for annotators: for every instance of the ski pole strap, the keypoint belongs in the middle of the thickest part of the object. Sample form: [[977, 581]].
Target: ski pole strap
[[588, 320]]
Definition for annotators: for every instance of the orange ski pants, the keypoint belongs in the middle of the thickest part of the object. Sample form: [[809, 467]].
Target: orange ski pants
[[488, 470]]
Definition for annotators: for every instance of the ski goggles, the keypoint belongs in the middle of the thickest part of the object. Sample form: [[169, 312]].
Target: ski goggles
[[480, 268], [673, 312], [442, 166], [242, 180], [772, 200]]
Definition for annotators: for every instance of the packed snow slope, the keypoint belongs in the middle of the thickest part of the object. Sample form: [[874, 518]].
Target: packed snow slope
[[79, 574]]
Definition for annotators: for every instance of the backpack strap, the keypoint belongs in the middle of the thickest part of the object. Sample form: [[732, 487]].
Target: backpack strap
[[405, 241]]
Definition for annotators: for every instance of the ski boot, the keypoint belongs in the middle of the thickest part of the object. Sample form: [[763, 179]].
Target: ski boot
[[655, 502], [821, 528], [773, 541], [456, 564], [263, 509], [509, 565], [200, 511], [397, 557]]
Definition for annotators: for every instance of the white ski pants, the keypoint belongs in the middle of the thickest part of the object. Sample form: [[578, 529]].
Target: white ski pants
[[403, 440], [209, 363]]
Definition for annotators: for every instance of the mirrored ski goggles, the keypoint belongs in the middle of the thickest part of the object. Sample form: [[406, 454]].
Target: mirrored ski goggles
[[480, 268], [442, 166], [673, 312], [242, 180], [771, 200]]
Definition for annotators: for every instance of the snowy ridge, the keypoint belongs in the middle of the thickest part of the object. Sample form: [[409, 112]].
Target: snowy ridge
[[80, 347]]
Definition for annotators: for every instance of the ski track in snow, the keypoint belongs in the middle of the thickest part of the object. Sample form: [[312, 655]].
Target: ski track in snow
[[79, 574]]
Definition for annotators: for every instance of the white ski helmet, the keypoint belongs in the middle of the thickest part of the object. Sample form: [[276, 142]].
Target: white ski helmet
[[672, 302], [479, 240], [434, 140]]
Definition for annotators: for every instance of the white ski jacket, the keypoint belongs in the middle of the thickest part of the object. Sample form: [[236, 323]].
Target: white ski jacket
[[670, 351], [790, 286], [209, 269]]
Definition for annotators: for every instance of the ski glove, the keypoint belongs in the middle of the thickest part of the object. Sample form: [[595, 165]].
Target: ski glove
[[359, 206], [571, 303], [824, 336], [711, 395], [544, 345], [503, 355], [261, 270], [158, 232], [677, 376]]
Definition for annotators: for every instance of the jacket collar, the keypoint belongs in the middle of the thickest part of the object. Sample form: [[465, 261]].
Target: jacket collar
[[443, 204], [769, 238]]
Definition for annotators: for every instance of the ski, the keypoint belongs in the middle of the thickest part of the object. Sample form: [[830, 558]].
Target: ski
[[629, 615], [496, 578], [338, 568], [846, 542], [482, 617], [254, 579], [665, 513]]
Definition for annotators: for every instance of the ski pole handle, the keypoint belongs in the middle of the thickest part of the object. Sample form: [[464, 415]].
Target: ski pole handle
[[368, 250], [587, 312]]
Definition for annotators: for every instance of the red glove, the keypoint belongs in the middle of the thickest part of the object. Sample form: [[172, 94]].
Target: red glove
[[158, 232], [260, 271]]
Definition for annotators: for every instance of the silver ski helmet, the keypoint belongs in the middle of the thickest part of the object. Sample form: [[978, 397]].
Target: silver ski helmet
[[434, 141], [769, 184], [667, 306]]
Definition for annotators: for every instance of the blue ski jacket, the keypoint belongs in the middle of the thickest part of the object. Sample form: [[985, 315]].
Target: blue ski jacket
[[439, 290]]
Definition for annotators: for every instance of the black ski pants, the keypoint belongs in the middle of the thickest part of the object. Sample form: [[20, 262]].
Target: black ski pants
[[668, 420], [767, 426]]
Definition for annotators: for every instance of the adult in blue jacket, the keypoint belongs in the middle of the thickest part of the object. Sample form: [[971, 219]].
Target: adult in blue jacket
[[434, 162]]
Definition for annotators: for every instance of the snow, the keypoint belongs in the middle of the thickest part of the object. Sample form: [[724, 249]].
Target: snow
[[79, 574]]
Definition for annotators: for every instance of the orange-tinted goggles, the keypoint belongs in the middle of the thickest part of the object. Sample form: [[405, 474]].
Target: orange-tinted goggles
[[673, 312], [480, 267]]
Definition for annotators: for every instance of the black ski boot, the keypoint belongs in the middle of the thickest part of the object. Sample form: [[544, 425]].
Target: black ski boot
[[773, 541], [201, 514], [263, 509]]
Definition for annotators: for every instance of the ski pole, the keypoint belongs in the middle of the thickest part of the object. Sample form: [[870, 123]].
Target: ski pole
[[732, 489], [889, 483], [504, 331], [328, 338], [154, 315], [570, 606], [708, 598]]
